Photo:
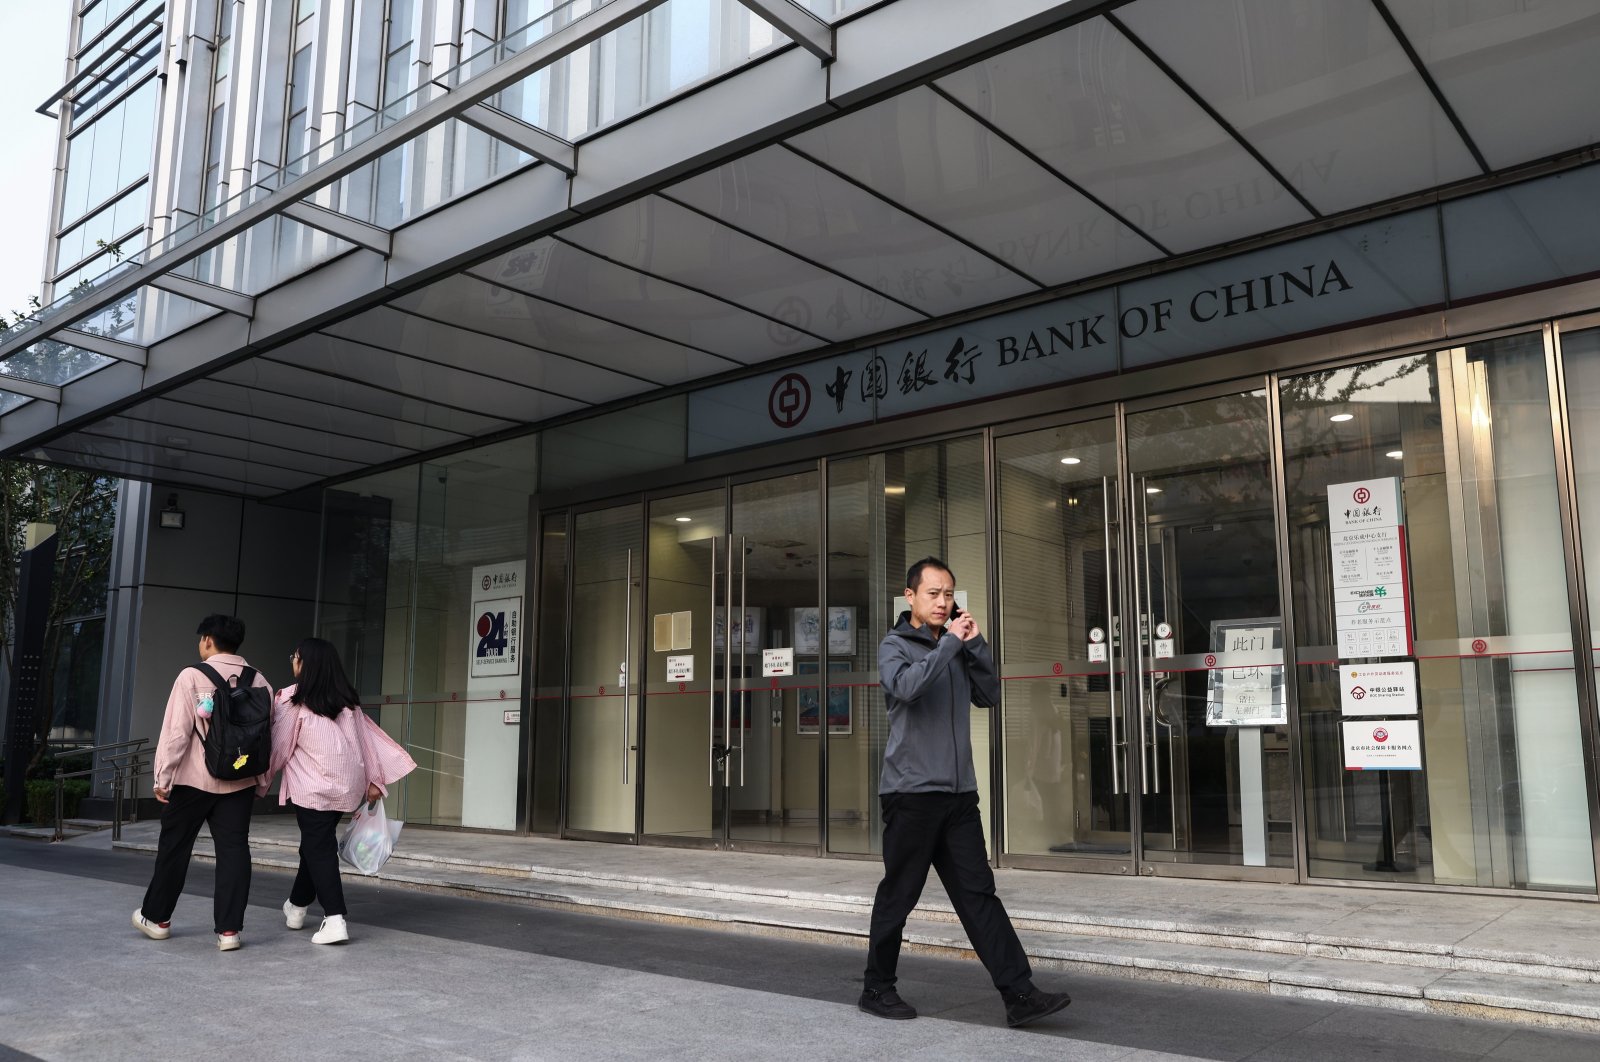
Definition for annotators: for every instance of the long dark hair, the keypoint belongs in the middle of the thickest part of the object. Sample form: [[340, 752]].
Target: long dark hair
[[323, 686]]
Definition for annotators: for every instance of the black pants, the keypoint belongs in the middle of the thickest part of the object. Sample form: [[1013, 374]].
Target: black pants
[[318, 876], [944, 831], [228, 815]]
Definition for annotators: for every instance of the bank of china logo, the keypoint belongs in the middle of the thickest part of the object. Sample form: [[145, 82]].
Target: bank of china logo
[[486, 582], [491, 635], [1362, 495], [1380, 735]]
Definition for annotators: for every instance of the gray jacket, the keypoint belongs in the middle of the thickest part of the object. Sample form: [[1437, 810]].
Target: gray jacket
[[930, 688]]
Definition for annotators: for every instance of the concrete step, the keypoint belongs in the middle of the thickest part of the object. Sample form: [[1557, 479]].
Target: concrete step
[[1502, 986]]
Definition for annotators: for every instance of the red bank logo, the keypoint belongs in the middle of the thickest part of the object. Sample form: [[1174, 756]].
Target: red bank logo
[[1380, 735], [789, 401], [486, 582], [1362, 495]]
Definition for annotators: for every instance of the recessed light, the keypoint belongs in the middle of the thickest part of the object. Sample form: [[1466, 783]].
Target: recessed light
[[1072, 461], [1396, 454], [1152, 490], [683, 519], [894, 490], [1340, 418]]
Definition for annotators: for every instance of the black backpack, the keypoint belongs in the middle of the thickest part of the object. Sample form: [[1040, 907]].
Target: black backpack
[[239, 743]]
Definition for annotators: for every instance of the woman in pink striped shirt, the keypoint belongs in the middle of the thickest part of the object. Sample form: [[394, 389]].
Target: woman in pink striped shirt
[[333, 758]]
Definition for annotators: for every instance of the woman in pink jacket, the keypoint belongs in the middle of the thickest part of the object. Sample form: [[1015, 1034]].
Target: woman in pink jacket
[[333, 758]]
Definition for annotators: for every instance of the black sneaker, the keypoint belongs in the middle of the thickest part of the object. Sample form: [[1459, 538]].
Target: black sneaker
[[1032, 1005], [886, 1004]]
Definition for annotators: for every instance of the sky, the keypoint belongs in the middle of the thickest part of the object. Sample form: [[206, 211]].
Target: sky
[[33, 48]]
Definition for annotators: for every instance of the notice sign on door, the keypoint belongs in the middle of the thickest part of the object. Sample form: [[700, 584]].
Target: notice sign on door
[[775, 662], [680, 668], [1378, 689], [1382, 745], [1366, 534]]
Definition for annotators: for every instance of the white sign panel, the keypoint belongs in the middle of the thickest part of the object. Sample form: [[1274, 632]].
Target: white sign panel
[[841, 631], [1246, 694], [1097, 652], [496, 618], [1163, 649], [776, 662], [1382, 745], [1378, 689], [494, 654], [680, 668], [1367, 548]]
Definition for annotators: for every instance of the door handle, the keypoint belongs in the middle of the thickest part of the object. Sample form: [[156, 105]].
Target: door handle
[[627, 663], [1134, 636], [1111, 650], [727, 660], [1143, 499], [711, 696], [744, 572]]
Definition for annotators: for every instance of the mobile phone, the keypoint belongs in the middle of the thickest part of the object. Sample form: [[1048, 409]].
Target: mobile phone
[[956, 613]]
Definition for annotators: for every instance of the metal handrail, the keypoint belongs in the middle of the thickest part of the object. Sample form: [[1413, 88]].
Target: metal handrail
[[123, 768]]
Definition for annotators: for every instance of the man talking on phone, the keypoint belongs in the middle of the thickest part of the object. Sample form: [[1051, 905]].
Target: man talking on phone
[[934, 665]]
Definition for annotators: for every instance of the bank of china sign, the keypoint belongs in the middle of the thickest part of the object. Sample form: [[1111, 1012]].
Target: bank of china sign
[[1376, 270]]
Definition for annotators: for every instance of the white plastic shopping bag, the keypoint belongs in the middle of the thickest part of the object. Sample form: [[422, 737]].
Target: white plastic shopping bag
[[370, 840]]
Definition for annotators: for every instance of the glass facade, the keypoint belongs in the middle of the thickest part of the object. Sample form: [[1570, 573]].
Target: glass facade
[[1165, 582]]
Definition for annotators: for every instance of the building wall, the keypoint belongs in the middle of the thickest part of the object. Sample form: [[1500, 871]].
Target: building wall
[[232, 556]]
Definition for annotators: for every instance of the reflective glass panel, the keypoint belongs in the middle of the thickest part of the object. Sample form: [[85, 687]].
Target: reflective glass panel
[[885, 512], [1092, 105], [1520, 75], [1322, 89], [1486, 785]]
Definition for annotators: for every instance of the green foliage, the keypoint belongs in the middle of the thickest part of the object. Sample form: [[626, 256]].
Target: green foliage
[[42, 799], [82, 506]]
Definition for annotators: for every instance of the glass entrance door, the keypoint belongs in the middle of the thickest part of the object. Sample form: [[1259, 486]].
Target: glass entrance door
[[604, 647], [1141, 645], [731, 753], [1210, 731]]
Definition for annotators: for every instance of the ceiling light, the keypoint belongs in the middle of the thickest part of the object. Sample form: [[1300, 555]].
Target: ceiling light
[[1396, 454], [683, 519], [1152, 490], [1071, 461], [1340, 418], [894, 490]]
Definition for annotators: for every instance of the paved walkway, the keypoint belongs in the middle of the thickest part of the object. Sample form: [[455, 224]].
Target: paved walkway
[[1509, 958], [450, 975]]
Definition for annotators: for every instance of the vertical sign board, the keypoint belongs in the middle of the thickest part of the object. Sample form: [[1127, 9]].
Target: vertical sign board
[[1367, 542], [494, 677]]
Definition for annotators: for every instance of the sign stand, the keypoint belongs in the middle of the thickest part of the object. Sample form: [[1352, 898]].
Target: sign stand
[[1386, 861]]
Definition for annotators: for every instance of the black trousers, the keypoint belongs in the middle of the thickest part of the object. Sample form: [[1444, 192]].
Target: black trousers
[[945, 832], [228, 815], [318, 876]]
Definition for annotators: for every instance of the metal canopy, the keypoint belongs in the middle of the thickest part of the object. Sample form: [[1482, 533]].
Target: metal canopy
[[885, 169]]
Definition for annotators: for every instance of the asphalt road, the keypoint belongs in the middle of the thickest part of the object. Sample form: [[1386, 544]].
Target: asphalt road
[[438, 976]]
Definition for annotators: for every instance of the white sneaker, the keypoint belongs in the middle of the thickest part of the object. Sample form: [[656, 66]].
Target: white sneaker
[[228, 942], [153, 930], [294, 917], [333, 931]]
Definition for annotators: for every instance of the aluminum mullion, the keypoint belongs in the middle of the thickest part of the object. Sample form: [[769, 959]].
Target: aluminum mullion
[[798, 24], [1577, 583], [31, 389], [104, 345], [546, 147]]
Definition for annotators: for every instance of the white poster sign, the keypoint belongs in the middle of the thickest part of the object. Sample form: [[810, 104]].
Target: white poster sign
[[1367, 546], [775, 662], [1245, 694], [494, 652], [1378, 689], [1382, 745], [841, 631], [680, 668]]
